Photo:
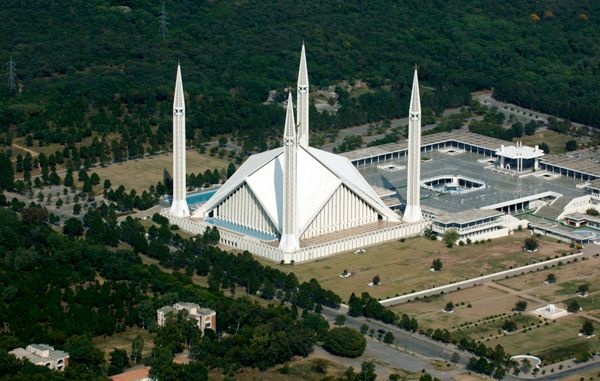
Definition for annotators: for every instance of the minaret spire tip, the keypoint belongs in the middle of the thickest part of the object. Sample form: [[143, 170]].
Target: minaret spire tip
[[415, 98], [290, 124], [179, 101], [302, 100]]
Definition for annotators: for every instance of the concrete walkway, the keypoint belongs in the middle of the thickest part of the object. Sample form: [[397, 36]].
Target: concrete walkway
[[483, 279]]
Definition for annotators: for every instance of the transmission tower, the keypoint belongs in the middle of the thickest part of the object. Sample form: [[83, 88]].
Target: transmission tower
[[12, 76], [164, 21]]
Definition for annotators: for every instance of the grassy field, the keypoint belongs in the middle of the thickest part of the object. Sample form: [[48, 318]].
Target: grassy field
[[563, 332], [484, 301], [404, 266], [549, 339], [141, 173], [580, 270], [123, 340], [556, 142], [493, 328], [20, 145], [569, 277], [298, 370]]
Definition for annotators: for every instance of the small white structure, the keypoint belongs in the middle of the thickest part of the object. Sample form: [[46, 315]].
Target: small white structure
[[551, 312], [205, 317], [536, 361], [345, 274], [519, 158], [43, 355]]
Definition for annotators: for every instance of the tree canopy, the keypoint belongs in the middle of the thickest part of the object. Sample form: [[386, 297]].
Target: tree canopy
[[107, 69]]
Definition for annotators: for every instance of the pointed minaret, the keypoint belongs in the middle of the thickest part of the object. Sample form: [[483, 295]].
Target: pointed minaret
[[289, 230], [302, 94], [412, 213], [179, 206]]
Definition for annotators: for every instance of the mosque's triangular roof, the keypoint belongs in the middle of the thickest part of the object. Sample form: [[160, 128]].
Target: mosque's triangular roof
[[320, 173]]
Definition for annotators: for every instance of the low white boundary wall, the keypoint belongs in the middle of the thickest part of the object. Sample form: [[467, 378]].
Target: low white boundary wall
[[479, 280], [305, 254]]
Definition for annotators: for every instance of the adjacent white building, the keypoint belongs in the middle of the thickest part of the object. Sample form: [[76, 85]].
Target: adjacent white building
[[205, 317], [43, 355], [519, 158]]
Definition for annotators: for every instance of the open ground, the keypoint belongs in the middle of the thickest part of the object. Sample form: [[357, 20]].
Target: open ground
[[555, 141], [122, 340], [139, 174], [405, 266], [480, 311]]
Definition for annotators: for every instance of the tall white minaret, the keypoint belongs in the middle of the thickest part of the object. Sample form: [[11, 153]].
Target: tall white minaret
[[179, 206], [289, 229], [303, 105], [413, 193]]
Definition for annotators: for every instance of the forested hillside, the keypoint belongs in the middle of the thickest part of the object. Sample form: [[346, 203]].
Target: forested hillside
[[102, 65], [65, 290]]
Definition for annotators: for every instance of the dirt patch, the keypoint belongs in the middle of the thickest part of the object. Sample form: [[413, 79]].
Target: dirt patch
[[485, 301], [141, 173]]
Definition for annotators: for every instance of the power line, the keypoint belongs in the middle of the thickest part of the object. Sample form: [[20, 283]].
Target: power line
[[164, 21], [12, 76]]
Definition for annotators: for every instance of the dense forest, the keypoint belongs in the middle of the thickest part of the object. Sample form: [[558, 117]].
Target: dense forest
[[102, 65], [65, 289]]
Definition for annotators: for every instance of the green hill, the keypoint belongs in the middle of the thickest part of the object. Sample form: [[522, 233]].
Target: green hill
[[102, 65]]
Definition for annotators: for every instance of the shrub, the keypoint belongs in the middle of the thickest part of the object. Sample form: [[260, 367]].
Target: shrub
[[340, 320], [531, 244], [573, 306], [509, 325], [588, 328], [450, 237], [319, 366], [344, 341], [520, 306], [449, 307], [583, 289]]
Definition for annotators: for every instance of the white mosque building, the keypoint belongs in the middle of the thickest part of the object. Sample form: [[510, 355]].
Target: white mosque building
[[297, 203]]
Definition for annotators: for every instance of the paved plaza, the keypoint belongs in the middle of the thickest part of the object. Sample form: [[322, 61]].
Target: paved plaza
[[499, 187]]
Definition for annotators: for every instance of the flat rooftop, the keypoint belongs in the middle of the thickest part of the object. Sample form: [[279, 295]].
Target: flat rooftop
[[595, 184], [579, 234], [463, 136], [500, 187], [585, 160], [465, 216], [583, 216], [519, 152]]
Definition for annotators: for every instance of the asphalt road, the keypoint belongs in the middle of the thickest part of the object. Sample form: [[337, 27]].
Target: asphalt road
[[413, 351]]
